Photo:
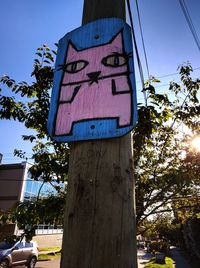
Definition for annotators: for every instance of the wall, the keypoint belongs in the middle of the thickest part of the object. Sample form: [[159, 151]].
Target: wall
[[6, 231], [11, 181], [48, 241]]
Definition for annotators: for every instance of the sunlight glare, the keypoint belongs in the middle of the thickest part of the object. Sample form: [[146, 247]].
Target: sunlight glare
[[196, 143]]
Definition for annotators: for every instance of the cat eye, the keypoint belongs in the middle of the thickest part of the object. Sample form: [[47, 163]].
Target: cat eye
[[75, 66], [115, 60]]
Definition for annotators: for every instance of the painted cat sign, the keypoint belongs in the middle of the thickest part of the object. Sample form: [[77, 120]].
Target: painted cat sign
[[94, 94]]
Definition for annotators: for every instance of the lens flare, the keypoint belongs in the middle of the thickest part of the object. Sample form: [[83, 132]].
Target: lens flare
[[195, 143]]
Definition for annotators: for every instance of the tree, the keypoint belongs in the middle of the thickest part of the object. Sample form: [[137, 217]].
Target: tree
[[29, 214], [162, 171], [162, 157], [50, 158], [192, 236]]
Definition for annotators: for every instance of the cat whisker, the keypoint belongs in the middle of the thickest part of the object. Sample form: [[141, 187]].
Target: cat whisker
[[61, 67], [99, 78], [116, 75]]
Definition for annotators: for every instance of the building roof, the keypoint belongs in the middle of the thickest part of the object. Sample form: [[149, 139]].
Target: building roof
[[21, 165]]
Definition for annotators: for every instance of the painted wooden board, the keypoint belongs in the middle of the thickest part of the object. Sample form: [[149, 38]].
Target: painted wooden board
[[94, 93]]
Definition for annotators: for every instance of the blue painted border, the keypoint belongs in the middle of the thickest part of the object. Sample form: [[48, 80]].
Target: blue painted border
[[104, 128]]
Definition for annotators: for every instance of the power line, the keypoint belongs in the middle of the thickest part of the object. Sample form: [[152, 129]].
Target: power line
[[10, 153], [142, 37], [166, 75], [136, 51], [189, 22], [32, 180], [11, 180], [171, 74], [14, 157]]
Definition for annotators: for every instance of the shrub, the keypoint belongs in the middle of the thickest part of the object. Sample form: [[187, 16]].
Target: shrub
[[152, 264], [160, 246]]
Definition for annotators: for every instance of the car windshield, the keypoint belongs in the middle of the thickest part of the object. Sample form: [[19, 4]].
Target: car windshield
[[5, 245]]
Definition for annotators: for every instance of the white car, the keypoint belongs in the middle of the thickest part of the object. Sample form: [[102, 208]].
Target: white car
[[19, 253]]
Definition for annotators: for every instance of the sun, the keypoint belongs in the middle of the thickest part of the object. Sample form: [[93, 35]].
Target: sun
[[195, 143]]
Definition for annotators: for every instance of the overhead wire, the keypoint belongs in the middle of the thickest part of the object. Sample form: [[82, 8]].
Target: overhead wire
[[190, 22], [142, 37], [136, 51], [166, 75]]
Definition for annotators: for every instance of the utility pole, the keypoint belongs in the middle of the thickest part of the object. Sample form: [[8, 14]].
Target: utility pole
[[99, 229]]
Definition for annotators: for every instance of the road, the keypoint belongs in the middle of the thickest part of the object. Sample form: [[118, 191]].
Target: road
[[143, 258], [179, 259], [45, 264], [48, 264]]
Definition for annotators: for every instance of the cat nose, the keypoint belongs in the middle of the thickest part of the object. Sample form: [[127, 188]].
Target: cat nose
[[94, 76]]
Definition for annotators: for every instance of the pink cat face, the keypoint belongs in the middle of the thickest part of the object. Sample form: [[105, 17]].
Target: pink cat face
[[94, 86], [107, 59]]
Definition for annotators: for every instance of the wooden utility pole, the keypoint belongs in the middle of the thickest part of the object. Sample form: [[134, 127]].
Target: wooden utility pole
[[99, 230]]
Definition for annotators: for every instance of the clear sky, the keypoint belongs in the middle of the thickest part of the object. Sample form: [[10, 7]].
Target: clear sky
[[26, 24]]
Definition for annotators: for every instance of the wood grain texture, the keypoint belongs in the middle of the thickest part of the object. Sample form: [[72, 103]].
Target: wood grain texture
[[99, 230], [94, 10], [99, 221]]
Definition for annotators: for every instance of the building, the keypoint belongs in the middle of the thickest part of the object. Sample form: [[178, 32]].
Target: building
[[12, 184], [17, 186]]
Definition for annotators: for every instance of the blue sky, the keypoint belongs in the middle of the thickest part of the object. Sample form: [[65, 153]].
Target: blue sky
[[26, 24]]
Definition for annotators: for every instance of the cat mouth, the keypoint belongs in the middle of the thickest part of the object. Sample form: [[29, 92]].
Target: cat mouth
[[96, 80]]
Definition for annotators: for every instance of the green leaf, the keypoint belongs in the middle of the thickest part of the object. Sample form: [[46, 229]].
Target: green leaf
[[156, 80], [46, 61], [39, 54], [37, 61]]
